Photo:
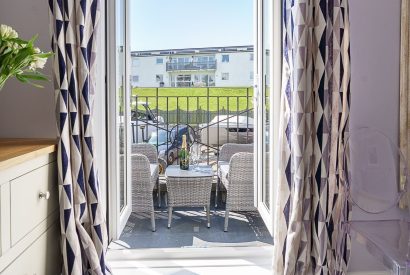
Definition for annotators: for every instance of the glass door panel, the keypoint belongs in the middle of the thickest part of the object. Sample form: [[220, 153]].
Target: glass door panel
[[264, 112], [120, 191], [120, 101], [266, 90]]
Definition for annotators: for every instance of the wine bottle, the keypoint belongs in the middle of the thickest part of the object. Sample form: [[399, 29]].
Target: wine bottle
[[184, 155]]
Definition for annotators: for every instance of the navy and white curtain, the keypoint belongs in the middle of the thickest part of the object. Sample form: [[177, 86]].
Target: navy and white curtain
[[311, 203], [74, 26]]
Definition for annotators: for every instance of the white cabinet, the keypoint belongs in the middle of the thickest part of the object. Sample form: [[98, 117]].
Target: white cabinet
[[29, 211]]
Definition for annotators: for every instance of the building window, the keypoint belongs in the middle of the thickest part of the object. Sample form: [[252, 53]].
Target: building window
[[225, 76], [251, 76], [159, 78], [135, 78], [225, 58], [181, 80], [251, 57], [160, 60]]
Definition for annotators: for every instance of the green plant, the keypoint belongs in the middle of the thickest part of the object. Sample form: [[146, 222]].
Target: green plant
[[20, 58]]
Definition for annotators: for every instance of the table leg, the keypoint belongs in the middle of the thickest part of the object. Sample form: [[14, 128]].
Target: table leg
[[169, 216]]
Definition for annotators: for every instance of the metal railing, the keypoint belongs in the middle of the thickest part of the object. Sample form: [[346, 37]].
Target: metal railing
[[214, 119], [191, 66]]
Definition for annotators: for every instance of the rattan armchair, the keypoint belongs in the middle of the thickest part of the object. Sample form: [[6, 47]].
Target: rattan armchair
[[239, 184], [143, 183], [150, 151], [226, 152]]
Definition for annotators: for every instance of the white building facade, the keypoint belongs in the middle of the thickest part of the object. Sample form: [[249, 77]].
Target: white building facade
[[194, 67]]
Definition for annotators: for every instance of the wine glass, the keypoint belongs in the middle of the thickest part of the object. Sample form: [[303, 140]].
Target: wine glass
[[195, 152]]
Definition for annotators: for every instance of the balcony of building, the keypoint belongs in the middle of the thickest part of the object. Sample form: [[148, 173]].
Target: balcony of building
[[211, 117], [191, 66]]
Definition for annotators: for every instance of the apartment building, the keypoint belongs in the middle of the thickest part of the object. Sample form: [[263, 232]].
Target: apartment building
[[193, 67]]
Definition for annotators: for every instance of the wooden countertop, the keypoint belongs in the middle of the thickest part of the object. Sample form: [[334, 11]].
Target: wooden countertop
[[17, 150]]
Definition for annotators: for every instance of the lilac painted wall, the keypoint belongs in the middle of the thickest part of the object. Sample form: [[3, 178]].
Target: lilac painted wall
[[375, 55], [26, 111]]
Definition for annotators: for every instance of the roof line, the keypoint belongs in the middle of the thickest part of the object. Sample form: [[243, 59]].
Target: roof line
[[192, 50]]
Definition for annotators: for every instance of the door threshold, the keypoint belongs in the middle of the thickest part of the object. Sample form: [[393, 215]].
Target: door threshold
[[192, 260]]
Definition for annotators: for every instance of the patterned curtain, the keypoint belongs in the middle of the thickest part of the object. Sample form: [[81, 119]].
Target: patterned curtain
[[310, 204], [405, 91], [74, 26]]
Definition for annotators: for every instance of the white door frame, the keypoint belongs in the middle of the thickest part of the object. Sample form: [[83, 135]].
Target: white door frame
[[117, 217], [275, 77]]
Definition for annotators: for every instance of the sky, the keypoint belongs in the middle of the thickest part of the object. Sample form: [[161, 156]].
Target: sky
[[173, 24]]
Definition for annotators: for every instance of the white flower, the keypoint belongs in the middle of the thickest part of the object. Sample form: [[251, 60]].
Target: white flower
[[38, 63], [37, 50], [7, 32]]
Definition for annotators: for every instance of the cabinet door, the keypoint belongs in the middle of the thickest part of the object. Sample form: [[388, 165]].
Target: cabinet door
[[41, 258], [28, 207]]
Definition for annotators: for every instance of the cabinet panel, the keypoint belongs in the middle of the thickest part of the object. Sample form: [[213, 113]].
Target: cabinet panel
[[28, 208]]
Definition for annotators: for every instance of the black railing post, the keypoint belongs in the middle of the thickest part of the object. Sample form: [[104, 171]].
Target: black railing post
[[157, 114], [207, 132], [177, 131], [247, 115], [168, 134], [227, 121], [137, 119], [187, 110], [217, 123], [237, 119]]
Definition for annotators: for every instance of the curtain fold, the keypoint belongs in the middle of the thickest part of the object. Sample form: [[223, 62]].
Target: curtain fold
[[311, 203], [405, 92], [74, 26]]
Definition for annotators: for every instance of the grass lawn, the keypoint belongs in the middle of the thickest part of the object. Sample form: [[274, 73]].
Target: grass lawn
[[195, 98]]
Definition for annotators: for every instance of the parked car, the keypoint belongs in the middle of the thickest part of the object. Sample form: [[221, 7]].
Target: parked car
[[144, 123], [239, 129], [168, 142]]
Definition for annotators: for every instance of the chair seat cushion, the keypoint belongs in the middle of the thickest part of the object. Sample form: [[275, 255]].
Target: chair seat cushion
[[223, 173]]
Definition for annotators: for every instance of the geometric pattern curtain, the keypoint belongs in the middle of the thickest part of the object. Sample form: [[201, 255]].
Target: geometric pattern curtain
[[405, 91], [74, 25], [311, 202]]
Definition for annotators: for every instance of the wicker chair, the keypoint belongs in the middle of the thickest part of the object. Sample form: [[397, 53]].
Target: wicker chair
[[150, 152], [143, 183], [225, 154], [239, 184]]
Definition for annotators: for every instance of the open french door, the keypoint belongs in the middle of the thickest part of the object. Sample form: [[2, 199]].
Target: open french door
[[267, 66], [267, 80], [119, 116]]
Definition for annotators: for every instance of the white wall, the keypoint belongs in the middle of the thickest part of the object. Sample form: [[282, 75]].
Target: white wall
[[26, 111], [375, 57], [239, 68], [147, 69]]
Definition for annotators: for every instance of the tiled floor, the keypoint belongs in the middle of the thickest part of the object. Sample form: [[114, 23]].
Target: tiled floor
[[189, 229]]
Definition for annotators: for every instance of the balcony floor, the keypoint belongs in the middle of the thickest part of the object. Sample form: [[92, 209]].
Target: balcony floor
[[188, 229]]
